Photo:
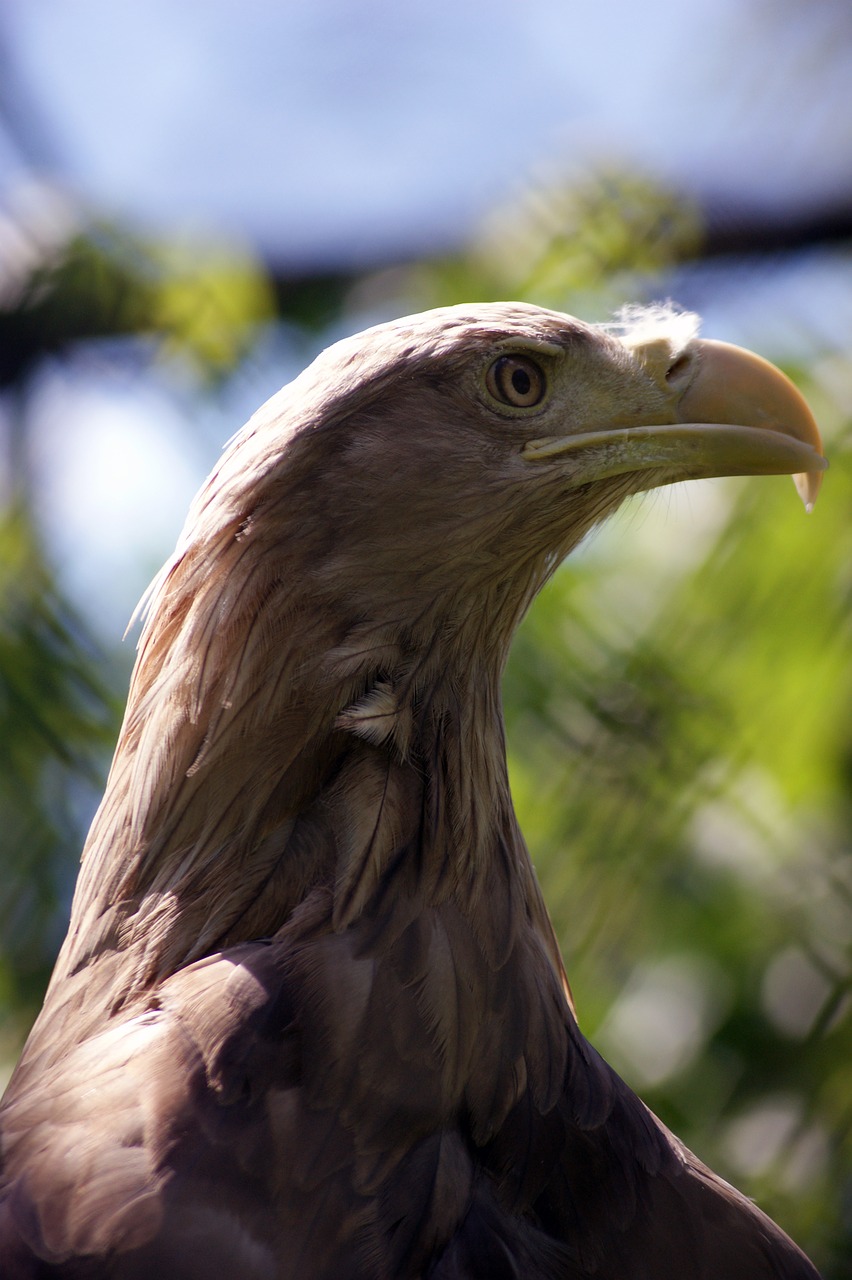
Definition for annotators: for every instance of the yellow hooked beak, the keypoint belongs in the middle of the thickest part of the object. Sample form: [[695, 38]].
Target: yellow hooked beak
[[733, 413]]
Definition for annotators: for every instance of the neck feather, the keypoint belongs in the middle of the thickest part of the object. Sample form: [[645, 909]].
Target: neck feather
[[257, 764]]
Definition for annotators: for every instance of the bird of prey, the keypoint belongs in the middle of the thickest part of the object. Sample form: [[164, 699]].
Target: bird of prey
[[310, 1021]]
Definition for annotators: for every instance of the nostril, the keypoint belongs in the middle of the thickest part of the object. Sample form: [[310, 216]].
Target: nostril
[[678, 367]]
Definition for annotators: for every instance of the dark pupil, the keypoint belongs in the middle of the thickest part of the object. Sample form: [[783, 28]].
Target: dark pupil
[[522, 382]]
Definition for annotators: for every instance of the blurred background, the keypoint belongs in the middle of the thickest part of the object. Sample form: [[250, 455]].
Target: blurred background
[[195, 199]]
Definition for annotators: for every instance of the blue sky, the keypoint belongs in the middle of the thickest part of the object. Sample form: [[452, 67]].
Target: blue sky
[[336, 128]]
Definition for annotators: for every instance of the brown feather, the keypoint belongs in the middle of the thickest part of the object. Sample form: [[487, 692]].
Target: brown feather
[[311, 1019]]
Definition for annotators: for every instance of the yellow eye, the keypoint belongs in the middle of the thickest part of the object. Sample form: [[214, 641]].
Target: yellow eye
[[517, 381]]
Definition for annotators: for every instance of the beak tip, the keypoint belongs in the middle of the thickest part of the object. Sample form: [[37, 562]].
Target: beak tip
[[808, 484]]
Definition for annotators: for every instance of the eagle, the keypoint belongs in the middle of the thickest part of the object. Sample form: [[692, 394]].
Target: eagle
[[310, 1020]]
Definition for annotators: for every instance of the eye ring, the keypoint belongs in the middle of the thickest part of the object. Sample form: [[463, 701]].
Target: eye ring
[[516, 381]]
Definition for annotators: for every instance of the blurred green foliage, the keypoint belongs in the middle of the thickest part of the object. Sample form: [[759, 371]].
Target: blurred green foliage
[[677, 702], [682, 779], [199, 298], [598, 244], [57, 721]]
